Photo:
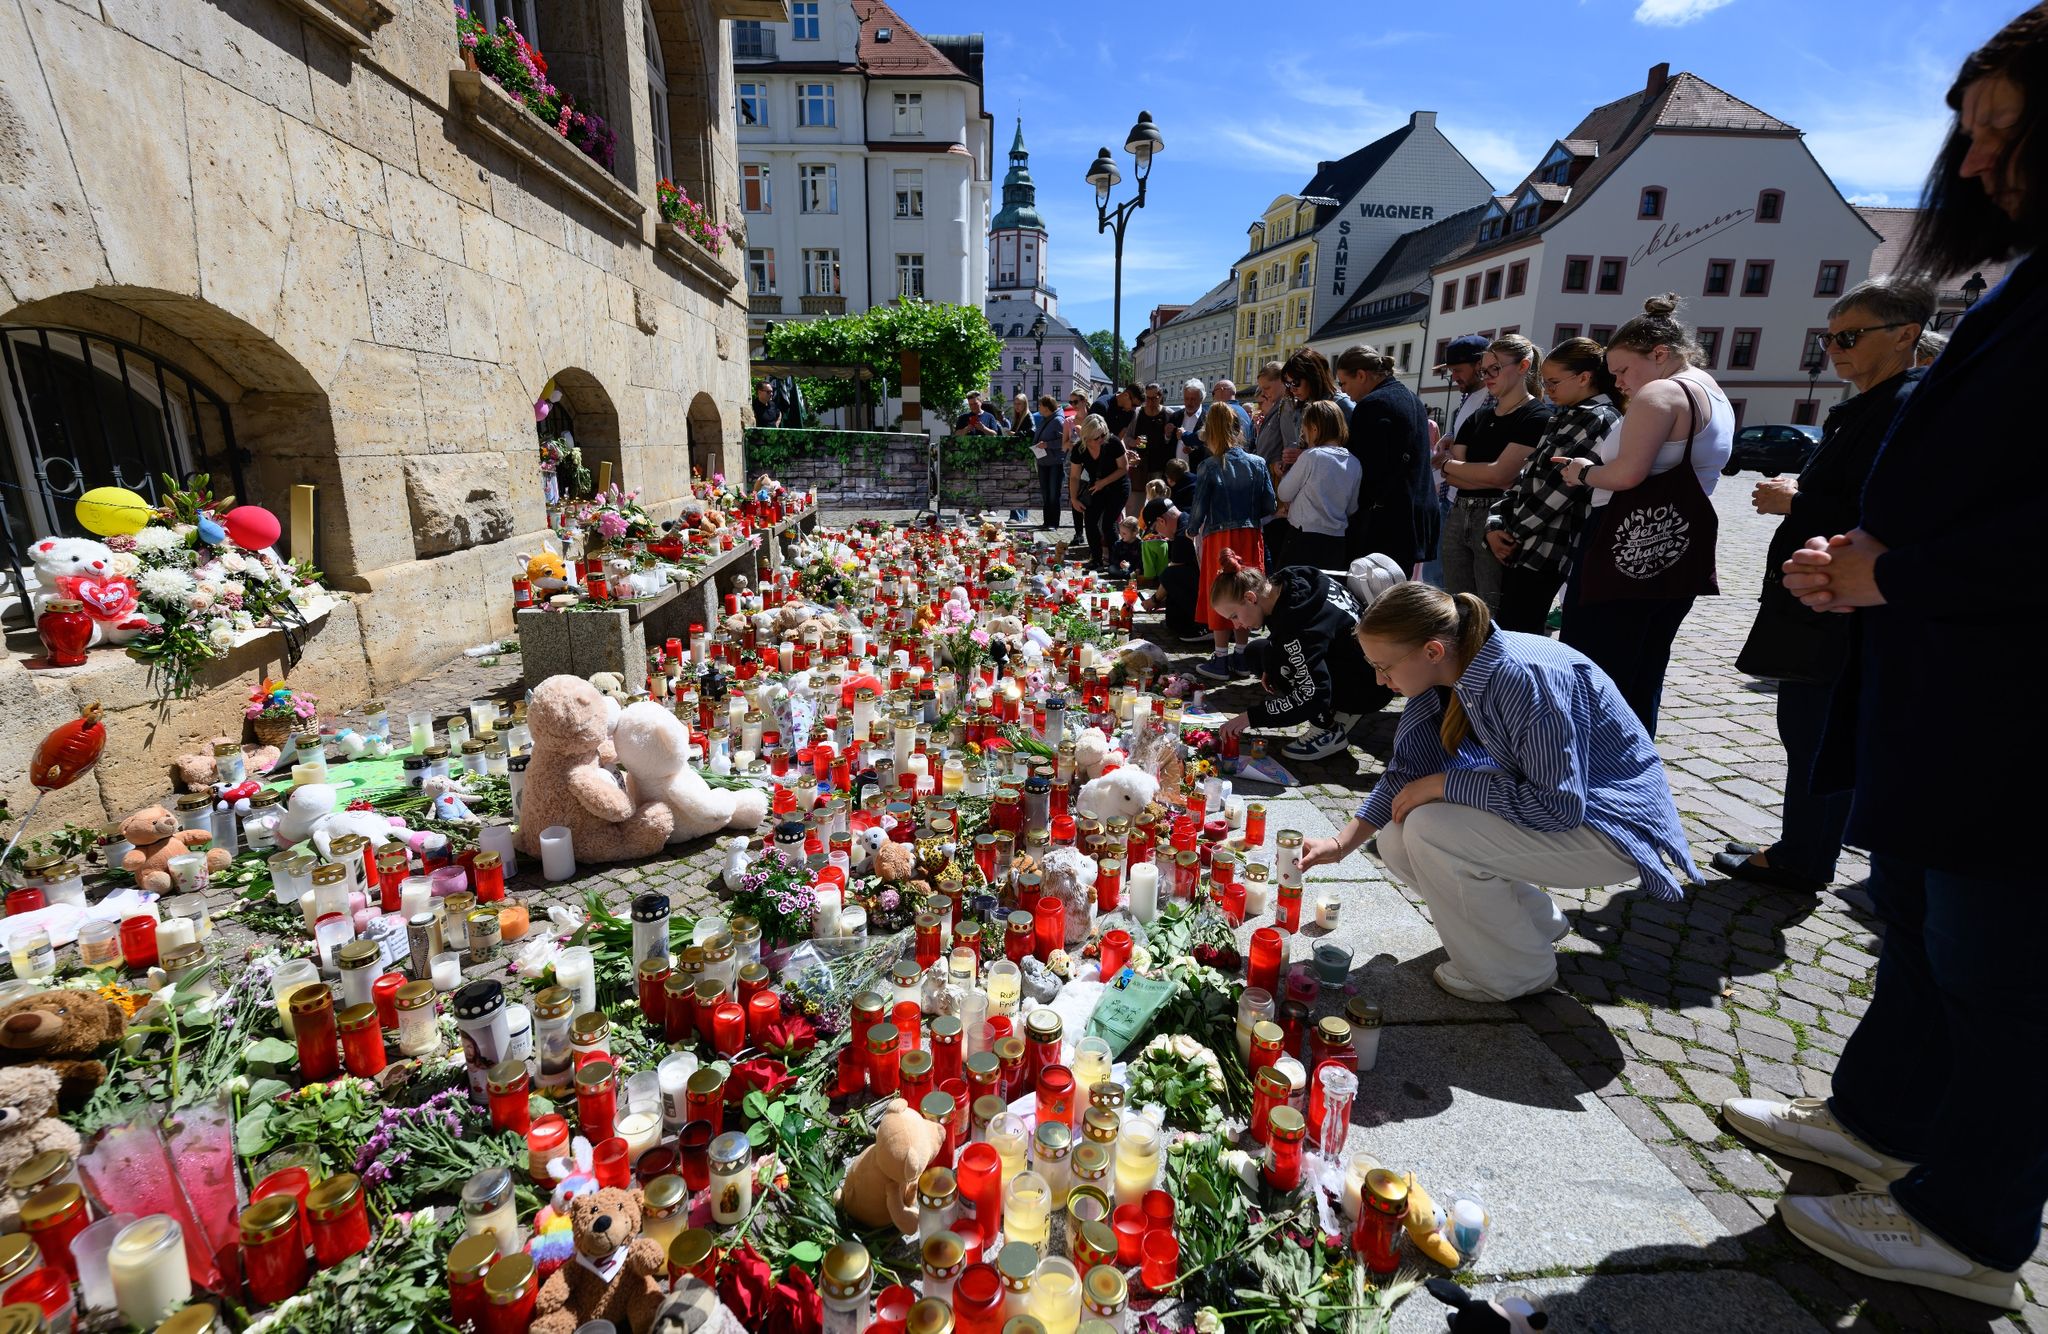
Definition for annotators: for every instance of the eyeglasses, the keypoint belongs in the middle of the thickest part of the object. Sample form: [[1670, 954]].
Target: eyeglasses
[[1387, 671], [1487, 372], [1290, 382], [1846, 338]]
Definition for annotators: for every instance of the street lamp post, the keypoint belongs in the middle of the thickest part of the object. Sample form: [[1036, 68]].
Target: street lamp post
[[1142, 143], [1972, 289], [1038, 357]]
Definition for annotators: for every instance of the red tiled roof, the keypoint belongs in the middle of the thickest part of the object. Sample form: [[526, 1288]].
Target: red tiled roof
[[1691, 103], [906, 55]]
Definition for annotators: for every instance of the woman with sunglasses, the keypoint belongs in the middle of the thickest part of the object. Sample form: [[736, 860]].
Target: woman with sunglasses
[[1485, 460], [1516, 765], [1873, 332], [1638, 568]]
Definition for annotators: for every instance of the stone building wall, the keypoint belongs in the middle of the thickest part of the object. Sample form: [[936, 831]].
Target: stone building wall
[[295, 202]]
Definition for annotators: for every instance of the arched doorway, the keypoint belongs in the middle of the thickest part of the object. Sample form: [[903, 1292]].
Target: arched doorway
[[707, 436], [579, 436]]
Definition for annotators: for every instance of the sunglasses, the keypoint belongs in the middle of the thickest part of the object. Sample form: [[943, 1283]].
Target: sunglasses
[[1846, 339], [1290, 382]]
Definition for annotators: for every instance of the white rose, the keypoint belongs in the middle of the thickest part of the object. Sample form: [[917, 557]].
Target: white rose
[[221, 635], [126, 563]]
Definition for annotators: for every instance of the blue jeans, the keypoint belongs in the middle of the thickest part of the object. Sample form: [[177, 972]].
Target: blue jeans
[[1946, 1068], [1433, 568], [1810, 841]]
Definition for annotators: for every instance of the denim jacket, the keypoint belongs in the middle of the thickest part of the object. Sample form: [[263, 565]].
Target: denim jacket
[[1234, 491]]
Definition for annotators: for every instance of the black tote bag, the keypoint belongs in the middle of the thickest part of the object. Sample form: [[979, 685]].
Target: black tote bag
[[1656, 540]]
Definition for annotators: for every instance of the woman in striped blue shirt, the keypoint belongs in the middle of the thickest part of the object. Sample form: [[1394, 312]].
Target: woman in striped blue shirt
[[1516, 764]]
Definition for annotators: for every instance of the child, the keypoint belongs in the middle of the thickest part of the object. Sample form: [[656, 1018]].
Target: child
[[1126, 557], [1154, 551], [1320, 492], [1183, 567]]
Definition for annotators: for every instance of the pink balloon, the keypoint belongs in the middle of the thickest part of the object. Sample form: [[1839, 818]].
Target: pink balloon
[[251, 527], [540, 410]]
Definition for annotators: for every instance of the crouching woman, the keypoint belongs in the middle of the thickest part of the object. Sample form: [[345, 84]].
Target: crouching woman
[[1516, 765]]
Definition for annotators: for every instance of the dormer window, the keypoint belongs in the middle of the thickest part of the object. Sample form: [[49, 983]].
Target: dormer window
[[1525, 216]]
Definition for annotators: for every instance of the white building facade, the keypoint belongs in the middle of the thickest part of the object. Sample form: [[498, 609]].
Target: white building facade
[[864, 160], [1200, 342], [1680, 188]]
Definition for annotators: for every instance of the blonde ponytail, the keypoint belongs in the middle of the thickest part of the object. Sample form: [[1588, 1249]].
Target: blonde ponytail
[[1414, 613]]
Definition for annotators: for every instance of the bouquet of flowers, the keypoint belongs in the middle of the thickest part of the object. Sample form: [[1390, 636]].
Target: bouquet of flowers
[[507, 59], [688, 216], [199, 590], [776, 892]]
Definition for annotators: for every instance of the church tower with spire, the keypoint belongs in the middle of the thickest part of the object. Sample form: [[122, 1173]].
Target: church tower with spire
[[1016, 237]]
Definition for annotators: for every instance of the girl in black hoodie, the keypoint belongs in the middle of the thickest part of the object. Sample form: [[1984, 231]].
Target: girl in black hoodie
[[1312, 666]]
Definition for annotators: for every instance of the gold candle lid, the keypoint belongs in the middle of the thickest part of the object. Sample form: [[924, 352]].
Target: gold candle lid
[[1101, 1124], [50, 1204], [1104, 1288], [38, 1172], [414, 995], [589, 1027], [943, 1250], [1334, 1029], [332, 1196], [269, 1218], [929, 1316], [939, 1185], [471, 1258], [1389, 1191], [1091, 1160], [553, 1003], [595, 1074], [845, 1273], [1017, 1262], [509, 1278], [201, 1318], [18, 1254], [665, 1195], [693, 1247]]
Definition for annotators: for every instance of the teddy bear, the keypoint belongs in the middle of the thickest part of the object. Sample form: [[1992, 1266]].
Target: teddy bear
[[62, 1030], [1070, 878], [311, 813], [28, 1096], [154, 832], [651, 744], [893, 862], [617, 1275], [881, 1184], [89, 573], [199, 771], [1511, 1311], [1091, 753], [1122, 793], [567, 785]]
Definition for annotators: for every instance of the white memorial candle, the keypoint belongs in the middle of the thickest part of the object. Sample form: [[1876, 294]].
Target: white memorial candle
[[498, 838], [557, 853], [1144, 891]]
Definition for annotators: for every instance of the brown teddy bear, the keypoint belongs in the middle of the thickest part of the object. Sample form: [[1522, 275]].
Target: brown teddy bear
[[198, 771], [617, 1275], [881, 1184], [154, 832], [62, 1030], [566, 784], [893, 862], [28, 1094]]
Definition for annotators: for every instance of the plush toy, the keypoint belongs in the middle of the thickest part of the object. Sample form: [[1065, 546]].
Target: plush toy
[[198, 771], [1091, 752], [651, 744], [1424, 1224], [881, 1184], [1070, 878], [611, 685], [567, 785], [154, 832], [893, 862], [62, 1030], [617, 1275], [28, 1096], [693, 1307], [1510, 1311], [1122, 793], [546, 571], [312, 813], [447, 795]]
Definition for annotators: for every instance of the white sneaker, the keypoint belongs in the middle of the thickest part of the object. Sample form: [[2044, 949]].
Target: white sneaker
[[1868, 1232], [1317, 745], [1450, 979], [1805, 1128]]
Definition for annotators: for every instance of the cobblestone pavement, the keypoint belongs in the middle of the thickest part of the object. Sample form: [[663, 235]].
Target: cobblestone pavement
[[1663, 1009]]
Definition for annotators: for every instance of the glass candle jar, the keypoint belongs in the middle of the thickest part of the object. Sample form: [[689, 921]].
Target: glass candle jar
[[1012, 1143], [146, 1265], [319, 1041], [1043, 1031], [914, 1076], [546, 1140], [885, 1056], [946, 1047], [53, 1217], [340, 1217], [488, 1205], [845, 1280], [590, 1038], [509, 1086], [1286, 1128], [1027, 1210], [943, 1257], [1381, 1214], [732, 1178], [597, 1100], [1364, 1018], [468, 1261], [1091, 1168], [1017, 1265], [980, 1174], [1056, 1295], [694, 1252], [938, 1202], [978, 1300], [650, 913], [1051, 1144], [704, 1098], [1055, 1095], [509, 1292], [419, 1033], [665, 1210], [362, 1041], [1137, 1157], [486, 1028]]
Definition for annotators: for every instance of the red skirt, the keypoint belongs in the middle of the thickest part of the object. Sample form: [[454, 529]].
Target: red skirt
[[1251, 553]]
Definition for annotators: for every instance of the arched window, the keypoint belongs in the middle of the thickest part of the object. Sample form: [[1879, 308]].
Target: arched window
[[657, 95]]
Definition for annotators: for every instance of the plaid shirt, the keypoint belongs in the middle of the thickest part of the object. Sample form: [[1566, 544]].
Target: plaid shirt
[[1539, 511]]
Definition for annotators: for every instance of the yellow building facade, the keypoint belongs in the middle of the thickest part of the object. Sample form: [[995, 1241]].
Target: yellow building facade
[[1276, 286]]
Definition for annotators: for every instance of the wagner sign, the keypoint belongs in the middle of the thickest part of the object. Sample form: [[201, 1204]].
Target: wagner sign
[[1340, 262]]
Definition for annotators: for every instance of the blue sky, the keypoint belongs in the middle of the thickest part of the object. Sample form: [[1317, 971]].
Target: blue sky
[[1246, 110]]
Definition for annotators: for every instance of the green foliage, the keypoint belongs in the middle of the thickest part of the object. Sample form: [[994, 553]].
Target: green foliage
[[71, 842], [956, 350], [333, 1118], [398, 1286], [184, 1048], [771, 449], [1118, 365]]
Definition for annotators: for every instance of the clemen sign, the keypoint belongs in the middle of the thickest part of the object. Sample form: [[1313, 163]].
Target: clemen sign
[[1340, 262]]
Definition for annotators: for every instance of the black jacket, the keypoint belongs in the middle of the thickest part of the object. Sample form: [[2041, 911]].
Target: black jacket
[[1828, 501], [1312, 663], [1397, 510], [1937, 785]]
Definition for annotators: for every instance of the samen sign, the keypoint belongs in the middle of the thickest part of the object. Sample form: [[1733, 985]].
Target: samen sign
[[1340, 262]]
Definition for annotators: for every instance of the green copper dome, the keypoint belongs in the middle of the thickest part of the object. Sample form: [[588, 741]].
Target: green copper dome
[[1020, 196]]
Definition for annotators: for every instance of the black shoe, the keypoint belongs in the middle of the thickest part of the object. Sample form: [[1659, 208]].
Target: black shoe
[[1737, 867], [1742, 849]]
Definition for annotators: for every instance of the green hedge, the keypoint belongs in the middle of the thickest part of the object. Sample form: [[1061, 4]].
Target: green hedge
[[771, 449]]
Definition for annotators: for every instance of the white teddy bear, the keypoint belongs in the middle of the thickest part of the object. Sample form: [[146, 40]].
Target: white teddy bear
[[1123, 793], [1070, 878], [1091, 752], [310, 813], [90, 572], [652, 748]]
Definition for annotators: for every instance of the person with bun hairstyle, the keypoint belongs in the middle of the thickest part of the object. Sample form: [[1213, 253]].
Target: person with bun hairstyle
[[1535, 524], [1632, 582], [1516, 765], [1311, 661], [1233, 496]]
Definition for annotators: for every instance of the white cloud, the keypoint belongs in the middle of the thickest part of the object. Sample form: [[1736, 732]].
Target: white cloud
[[1872, 199], [1675, 13]]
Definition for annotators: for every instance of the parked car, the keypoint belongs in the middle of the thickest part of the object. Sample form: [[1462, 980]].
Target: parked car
[[1771, 450]]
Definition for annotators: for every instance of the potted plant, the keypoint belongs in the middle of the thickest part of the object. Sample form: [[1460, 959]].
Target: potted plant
[[275, 711]]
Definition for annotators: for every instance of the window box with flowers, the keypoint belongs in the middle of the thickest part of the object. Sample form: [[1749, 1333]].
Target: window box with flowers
[[503, 93], [687, 234]]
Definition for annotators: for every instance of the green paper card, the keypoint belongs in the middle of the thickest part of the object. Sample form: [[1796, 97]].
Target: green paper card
[[1125, 1012]]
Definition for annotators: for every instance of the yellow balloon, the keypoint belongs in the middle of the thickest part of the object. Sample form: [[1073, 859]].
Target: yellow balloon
[[112, 510]]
